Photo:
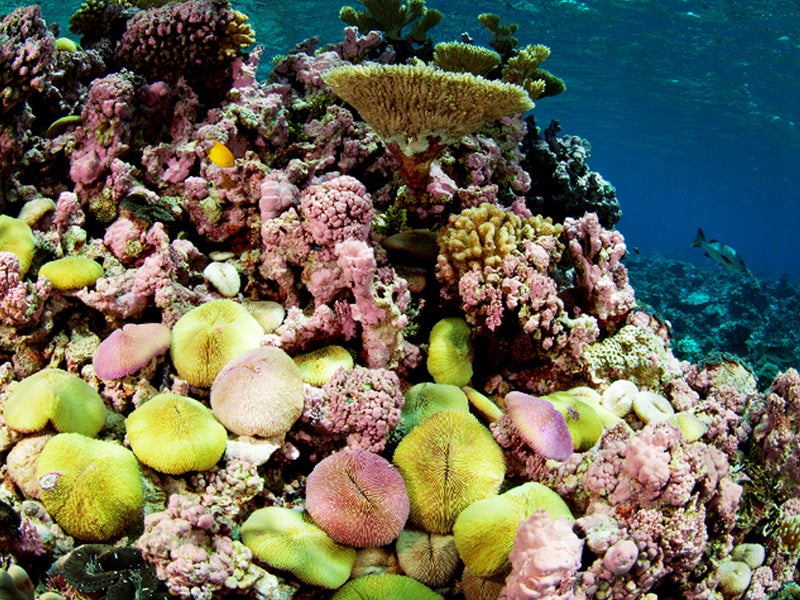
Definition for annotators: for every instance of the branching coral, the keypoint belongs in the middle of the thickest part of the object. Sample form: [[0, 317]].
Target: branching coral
[[391, 16]]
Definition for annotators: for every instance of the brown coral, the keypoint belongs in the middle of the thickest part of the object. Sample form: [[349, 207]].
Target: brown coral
[[418, 109]]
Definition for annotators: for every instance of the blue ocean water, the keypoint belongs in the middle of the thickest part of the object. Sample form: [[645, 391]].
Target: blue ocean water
[[691, 107]]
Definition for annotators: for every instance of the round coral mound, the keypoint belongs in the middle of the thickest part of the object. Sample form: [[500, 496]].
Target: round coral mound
[[129, 349], [358, 498], [207, 337], [92, 488], [258, 393], [385, 586], [448, 462], [174, 434]]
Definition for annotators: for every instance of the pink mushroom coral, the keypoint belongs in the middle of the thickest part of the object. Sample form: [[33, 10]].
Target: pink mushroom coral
[[358, 498], [129, 349], [540, 425]]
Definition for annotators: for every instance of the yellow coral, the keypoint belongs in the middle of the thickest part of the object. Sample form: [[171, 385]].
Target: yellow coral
[[238, 35], [407, 104], [633, 353], [484, 235], [465, 58]]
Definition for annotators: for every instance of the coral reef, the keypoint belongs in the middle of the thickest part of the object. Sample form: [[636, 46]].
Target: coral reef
[[404, 344]]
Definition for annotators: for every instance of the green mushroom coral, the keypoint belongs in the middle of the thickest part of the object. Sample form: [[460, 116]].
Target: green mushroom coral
[[584, 423], [57, 397], [288, 540], [174, 434], [485, 530], [448, 462], [450, 352], [92, 488], [71, 272], [391, 16], [385, 586], [16, 237]]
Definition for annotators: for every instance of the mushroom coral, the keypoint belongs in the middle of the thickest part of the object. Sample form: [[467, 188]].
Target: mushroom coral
[[450, 351], [358, 498], [427, 557], [174, 434], [448, 462], [92, 488], [130, 348], [258, 393], [71, 272], [58, 397], [418, 110], [484, 531], [210, 335], [16, 237], [385, 586], [286, 539]]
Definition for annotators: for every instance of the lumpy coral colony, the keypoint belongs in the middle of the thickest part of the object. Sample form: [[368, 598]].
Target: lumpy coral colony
[[357, 331]]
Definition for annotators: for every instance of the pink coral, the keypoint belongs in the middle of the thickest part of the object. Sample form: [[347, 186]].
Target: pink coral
[[277, 194], [337, 210], [21, 302], [130, 348], [193, 552], [601, 279], [545, 560], [361, 405], [358, 498], [541, 426], [27, 56]]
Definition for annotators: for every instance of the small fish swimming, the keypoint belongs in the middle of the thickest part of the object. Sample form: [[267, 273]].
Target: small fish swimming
[[220, 155], [720, 253]]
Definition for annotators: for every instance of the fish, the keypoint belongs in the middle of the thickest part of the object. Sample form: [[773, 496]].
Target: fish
[[221, 155], [720, 253]]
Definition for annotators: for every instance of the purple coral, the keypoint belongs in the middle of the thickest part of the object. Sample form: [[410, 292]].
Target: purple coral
[[193, 552], [27, 56]]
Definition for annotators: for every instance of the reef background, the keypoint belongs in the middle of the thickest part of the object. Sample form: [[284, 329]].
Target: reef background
[[691, 116]]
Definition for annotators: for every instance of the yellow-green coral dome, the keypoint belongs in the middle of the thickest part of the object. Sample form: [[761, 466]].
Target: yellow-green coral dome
[[58, 397], [16, 237], [174, 434], [210, 335], [71, 272], [448, 462], [92, 488]]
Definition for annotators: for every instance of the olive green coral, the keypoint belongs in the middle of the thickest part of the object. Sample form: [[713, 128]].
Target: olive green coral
[[391, 16], [450, 351], [57, 397], [16, 237], [523, 69], [465, 58], [385, 586]]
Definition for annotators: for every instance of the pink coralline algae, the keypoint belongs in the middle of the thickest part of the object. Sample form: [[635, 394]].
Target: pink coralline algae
[[193, 552], [360, 406], [27, 56], [668, 496], [545, 560], [21, 302], [601, 280], [105, 131], [337, 210], [183, 39], [776, 426]]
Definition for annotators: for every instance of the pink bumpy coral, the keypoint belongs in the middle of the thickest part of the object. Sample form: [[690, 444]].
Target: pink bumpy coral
[[358, 498], [362, 405], [27, 56], [337, 210], [601, 279], [21, 302], [545, 559], [193, 552]]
